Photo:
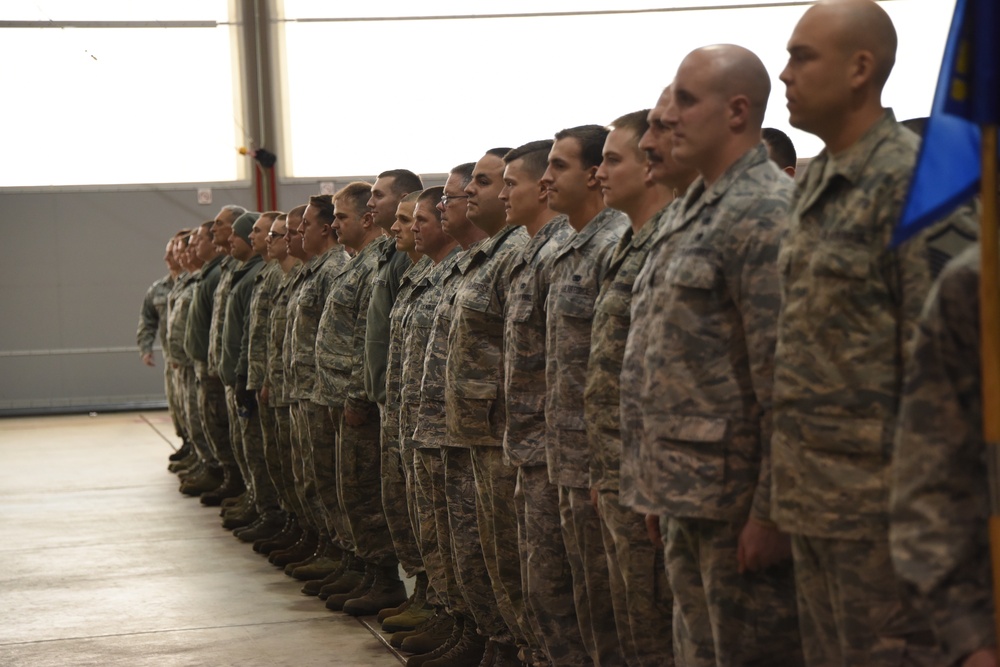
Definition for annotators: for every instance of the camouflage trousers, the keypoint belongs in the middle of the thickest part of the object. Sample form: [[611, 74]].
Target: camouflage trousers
[[319, 470], [278, 454], [252, 434], [497, 515], [236, 436], [359, 468], [640, 594], [433, 531], [467, 548], [850, 607], [397, 499], [301, 463], [174, 386], [546, 577], [215, 418], [723, 618], [192, 416], [581, 532]]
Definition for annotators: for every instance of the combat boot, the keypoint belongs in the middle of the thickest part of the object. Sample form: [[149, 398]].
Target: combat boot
[[314, 586], [183, 463], [208, 479], [468, 652], [268, 525], [289, 535], [230, 487], [354, 572], [337, 602], [298, 551], [329, 561], [181, 453], [242, 520], [418, 597], [387, 591], [322, 544], [241, 500], [434, 639]]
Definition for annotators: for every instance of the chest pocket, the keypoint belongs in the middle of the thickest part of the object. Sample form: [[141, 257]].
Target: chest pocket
[[575, 301], [694, 272], [840, 259], [476, 297], [520, 308]]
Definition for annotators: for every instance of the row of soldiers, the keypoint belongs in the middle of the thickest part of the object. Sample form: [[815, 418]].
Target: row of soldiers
[[630, 396]]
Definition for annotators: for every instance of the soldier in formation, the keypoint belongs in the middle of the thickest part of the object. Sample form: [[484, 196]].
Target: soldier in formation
[[626, 396]]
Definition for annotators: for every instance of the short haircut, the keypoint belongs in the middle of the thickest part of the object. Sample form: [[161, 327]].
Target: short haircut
[[464, 172], [410, 197], [433, 197], [208, 224], [534, 156], [282, 218], [183, 232], [324, 207], [234, 210], [355, 195], [781, 147], [498, 152], [637, 122], [271, 215], [591, 139], [403, 180], [298, 210]]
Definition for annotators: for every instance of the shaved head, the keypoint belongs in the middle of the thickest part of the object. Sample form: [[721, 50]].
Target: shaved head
[[859, 25], [733, 70]]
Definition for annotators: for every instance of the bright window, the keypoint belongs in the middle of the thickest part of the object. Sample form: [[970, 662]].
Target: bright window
[[368, 95], [118, 105]]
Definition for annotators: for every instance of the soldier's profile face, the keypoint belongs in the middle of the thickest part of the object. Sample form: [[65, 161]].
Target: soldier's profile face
[[222, 229], [277, 244], [622, 172], [428, 236], [402, 227], [348, 223], [817, 75], [484, 204], [382, 203], [696, 113], [565, 179], [312, 231], [454, 216], [522, 194], [258, 236]]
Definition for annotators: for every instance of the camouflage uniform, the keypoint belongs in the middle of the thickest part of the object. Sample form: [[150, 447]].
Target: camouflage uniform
[[234, 368], [220, 298], [939, 500], [850, 307], [316, 430], [706, 400], [548, 621], [397, 465], [470, 594], [639, 593], [253, 365], [233, 326], [153, 325], [475, 417], [577, 270], [431, 508], [178, 309], [354, 472], [391, 267], [211, 392]]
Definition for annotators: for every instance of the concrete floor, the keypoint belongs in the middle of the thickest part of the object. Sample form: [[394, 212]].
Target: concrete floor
[[103, 562]]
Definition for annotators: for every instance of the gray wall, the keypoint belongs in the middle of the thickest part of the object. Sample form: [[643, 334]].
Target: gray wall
[[74, 267]]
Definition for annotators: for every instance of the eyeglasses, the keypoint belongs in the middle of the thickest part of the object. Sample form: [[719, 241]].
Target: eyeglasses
[[275, 235], [447, 199]]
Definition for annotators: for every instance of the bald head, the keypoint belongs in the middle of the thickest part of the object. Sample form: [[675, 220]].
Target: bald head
[[732, 70], [859, 25]]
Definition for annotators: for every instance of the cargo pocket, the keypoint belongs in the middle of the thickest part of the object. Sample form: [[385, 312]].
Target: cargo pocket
[[475, 401]]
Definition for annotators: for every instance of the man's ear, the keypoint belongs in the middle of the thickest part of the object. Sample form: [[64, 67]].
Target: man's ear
[[592, 181]]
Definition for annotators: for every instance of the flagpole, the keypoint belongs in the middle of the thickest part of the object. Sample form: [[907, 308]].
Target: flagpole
[[989, 328]]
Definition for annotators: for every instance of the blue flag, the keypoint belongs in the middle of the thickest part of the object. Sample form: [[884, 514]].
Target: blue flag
[[967, 94]]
